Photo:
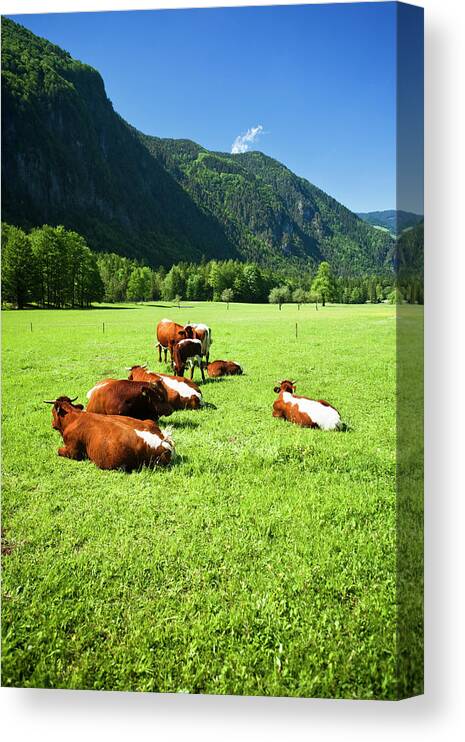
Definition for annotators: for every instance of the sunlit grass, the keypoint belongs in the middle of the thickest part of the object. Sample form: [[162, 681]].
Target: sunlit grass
[[263, 562]]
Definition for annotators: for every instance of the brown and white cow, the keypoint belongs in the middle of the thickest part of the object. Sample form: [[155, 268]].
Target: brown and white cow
[[168, 334], [142, 400], [203, 333], [188, 352], [182, 393], [110, 441], [309, 413], [223, 368]]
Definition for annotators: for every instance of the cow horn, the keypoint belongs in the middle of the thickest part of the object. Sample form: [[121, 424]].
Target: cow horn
[[128, 368], [145, 365], [74, 399], [49, 401]]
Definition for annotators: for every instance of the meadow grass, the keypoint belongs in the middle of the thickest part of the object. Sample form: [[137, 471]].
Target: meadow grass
[[262, 562]]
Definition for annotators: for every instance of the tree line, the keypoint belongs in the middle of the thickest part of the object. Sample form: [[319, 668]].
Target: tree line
[[50, 266], [54, 267]]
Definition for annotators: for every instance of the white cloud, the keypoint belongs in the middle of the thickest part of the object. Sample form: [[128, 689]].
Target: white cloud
[[243, 141]]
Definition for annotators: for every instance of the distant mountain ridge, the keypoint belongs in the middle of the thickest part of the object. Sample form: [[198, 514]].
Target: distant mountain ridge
[[69, 158], [392, 220]]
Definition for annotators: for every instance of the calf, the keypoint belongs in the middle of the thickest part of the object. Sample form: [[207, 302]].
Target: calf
[[308, 413], [223, 368], [168, 334], [110, 441], [188, 353], [182, 393], [140, 399]]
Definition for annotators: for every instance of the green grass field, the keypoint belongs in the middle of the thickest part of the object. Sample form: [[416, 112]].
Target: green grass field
[[262, 562]]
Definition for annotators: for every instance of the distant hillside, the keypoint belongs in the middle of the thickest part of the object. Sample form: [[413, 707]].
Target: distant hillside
[[392, 220], [68, 158]]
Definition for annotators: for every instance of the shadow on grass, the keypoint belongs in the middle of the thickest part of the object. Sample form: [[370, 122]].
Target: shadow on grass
[[110, 307], [208, 406], [181, 424], [169, 306]]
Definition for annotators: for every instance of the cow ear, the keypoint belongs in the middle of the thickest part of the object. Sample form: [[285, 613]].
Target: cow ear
[[277, 389], [79, 406]]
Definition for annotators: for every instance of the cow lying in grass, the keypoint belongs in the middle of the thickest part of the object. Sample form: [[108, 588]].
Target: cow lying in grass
[[142, 400], [182, 394], [110, 441], [188, 352], [309, 413], [223, 368]]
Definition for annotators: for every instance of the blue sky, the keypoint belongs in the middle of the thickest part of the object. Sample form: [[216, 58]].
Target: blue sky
[[319, 80]]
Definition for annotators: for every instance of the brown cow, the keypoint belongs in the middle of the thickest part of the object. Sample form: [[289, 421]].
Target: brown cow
[[223, 368], [182, 393], [168, 334], [142, 400], [203, 333], [188, 353], [110, 441], [309, 413]]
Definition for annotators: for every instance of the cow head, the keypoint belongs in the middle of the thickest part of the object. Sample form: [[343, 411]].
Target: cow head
[[131, 369], [189, 332], [285, 386], [157, 398], [62, 406], [235, 369]]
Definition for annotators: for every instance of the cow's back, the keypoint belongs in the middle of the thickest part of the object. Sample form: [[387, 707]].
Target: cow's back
[[116, 442], [167, 332], [123, 397]]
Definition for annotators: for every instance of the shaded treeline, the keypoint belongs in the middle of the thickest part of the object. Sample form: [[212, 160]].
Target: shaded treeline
[[54, 267]]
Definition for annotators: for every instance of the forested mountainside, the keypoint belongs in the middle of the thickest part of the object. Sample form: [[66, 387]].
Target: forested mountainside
[[393, 220], [69, 158]]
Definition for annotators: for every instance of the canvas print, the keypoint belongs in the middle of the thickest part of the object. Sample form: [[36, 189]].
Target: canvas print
[[212, 312]]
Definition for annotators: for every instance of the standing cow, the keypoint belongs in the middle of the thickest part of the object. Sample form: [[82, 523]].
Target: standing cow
[[111, 442], [182, 394], [308, 413], [203, 333], [168, 334], [188, 353], [142, 400]]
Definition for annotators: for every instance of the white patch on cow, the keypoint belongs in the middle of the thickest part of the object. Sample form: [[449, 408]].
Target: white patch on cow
[[194, 361], [327, 418], [97, 386], [184, 390], [151, 439], [166, 320], [200, 326], [168, 442]]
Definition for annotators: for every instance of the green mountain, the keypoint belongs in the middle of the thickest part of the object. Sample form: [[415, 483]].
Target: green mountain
[[68, 158], [395, 221]]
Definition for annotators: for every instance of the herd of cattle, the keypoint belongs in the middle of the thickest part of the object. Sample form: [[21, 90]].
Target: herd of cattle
[[119, 429]]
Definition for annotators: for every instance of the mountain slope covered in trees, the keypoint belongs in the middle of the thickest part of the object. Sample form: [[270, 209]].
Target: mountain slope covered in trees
[[393, 220], [68, 158]]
